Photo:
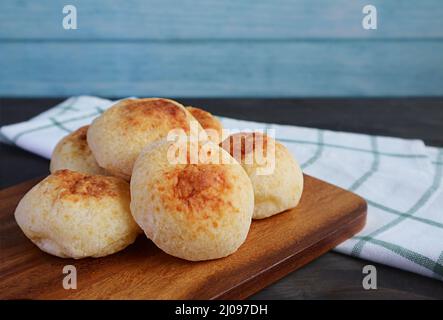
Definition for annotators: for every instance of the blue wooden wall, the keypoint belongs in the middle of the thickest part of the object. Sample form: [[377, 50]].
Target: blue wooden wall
[[207, 48]]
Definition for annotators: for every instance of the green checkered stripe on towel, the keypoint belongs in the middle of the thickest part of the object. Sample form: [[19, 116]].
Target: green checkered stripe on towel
[[61, 123], [397, 252], [41, 133]]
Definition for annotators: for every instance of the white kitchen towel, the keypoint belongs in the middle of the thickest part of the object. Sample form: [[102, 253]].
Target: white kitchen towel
[[400, 179]]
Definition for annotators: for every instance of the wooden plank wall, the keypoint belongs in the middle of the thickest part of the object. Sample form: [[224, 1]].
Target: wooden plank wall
[[229, 48]]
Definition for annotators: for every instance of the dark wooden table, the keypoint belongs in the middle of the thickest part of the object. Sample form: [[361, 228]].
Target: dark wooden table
[[333, 276]]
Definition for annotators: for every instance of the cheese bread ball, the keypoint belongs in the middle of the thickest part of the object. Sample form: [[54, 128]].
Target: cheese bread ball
[[275, 174], [117, 136], [73, 153], [208, 123], [76, 215], [192, 211]]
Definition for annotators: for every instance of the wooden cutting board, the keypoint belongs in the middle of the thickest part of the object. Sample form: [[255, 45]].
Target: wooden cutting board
[[326, 216]]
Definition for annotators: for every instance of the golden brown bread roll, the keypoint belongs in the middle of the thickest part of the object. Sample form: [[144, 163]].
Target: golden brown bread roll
[[208, 123], [76, 215], [276, 176], [73, 153], [117, 136], [191, 211]]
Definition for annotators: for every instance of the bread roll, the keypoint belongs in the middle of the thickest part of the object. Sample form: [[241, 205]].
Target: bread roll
[[276, 176], [208, 123], [191, 211], [117, 137], [76, 215], [73, 153]]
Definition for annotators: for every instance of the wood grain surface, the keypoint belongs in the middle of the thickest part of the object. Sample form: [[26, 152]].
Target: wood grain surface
[[209, 48], [222, 69], [211, 19], [326, 216]]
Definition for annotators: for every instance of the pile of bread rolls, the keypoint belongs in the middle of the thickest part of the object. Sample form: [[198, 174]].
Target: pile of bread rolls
[[112, 180]]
